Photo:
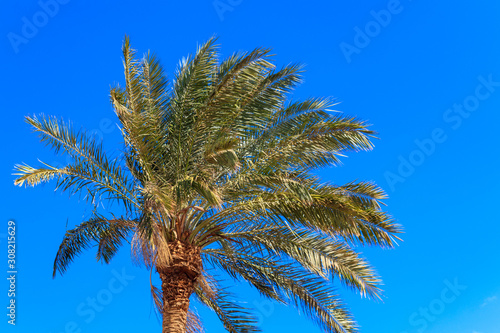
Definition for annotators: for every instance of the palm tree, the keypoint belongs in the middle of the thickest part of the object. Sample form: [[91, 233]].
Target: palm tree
[[217, 175]]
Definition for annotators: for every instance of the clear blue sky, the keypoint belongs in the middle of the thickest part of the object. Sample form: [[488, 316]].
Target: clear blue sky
[[426, 74]]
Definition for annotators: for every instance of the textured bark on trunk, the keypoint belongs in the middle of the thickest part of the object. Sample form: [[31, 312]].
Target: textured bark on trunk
[[178, 282]]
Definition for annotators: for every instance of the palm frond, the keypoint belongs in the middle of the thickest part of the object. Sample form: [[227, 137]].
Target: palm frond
[[30, 176], [235, 318], [317, 252], [287, 283], [91, 166], [111, 238], [109, 234]]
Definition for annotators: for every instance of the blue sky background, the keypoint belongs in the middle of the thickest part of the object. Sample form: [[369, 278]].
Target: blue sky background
[[409, 76]]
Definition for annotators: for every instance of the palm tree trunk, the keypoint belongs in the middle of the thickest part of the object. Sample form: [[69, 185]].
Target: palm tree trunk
[[178, 283]]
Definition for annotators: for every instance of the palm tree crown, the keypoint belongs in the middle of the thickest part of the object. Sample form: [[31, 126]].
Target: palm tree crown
[[217, 174]]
